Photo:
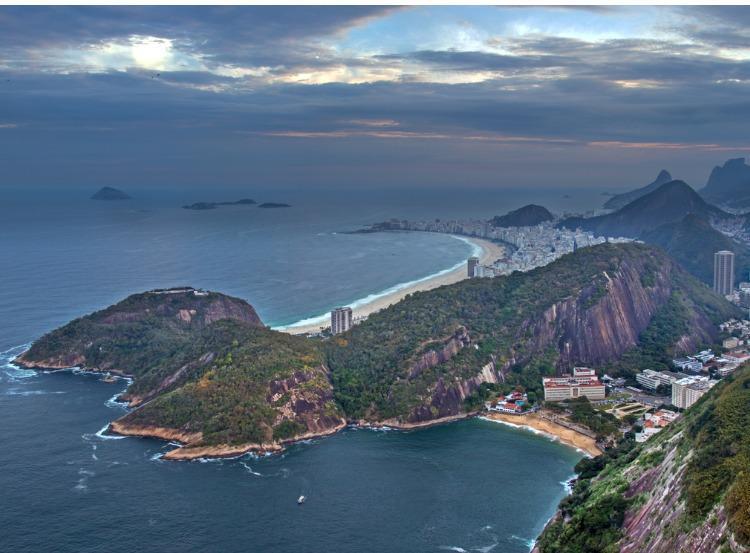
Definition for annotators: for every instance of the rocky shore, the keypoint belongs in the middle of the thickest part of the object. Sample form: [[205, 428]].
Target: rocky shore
[[189, 449]]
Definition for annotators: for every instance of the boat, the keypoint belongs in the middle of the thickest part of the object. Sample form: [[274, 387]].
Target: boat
[[301, 500]]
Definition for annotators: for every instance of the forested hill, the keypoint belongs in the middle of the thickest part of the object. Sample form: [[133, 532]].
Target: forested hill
[[686, 489], [208, 373], [420, 359]]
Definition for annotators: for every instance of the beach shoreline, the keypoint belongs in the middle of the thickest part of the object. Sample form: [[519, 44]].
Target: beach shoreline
[[490, 251], [563, 434]]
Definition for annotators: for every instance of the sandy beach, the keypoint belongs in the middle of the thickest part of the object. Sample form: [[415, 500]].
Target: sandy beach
[[490, 252], [565, 435]]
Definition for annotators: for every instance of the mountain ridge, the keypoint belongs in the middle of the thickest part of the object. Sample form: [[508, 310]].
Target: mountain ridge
[[621, 200]]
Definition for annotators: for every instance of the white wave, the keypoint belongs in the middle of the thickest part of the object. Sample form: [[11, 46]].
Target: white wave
[[15, 392], [157, 456], [82, 484], [115, 403], [530, 543], [476, 250], [250, 469], [102, 436], [94, 457], [486, 548], [11, 371], [453, 548]]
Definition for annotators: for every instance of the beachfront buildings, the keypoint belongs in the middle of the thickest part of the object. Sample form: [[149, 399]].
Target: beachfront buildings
[[582, 383], [688, 390], [471, 265], [341, 320], [724, 272], [651, 380]]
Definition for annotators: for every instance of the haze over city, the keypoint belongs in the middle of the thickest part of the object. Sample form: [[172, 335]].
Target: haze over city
[[371, 97]]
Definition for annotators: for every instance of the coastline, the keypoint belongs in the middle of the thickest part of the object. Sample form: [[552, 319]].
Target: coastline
[[489, 252], [186, 452], [536, 423]]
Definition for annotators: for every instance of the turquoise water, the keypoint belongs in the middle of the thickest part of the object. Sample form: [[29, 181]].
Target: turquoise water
[[472, 486]]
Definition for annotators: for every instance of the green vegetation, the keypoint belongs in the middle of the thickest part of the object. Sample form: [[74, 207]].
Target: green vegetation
[[228, 400], [372, 363], [710, 443], [592, 515], [692, 241], [581, 412], [721, 458], [526, 216], [203, 362], [381, 367]]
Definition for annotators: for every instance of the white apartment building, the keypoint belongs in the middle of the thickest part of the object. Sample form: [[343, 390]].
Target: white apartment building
[[688, 390], [651, 379]]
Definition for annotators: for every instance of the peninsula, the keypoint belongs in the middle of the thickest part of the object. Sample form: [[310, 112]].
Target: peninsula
[[207, 373]]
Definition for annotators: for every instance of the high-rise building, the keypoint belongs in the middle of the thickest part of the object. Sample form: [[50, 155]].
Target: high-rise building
[[724, 272], [688, 390], [341, 320], [471, 265]]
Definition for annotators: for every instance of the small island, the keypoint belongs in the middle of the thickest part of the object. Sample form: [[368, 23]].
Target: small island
[[202, 206], [108, 193], [273, 205]]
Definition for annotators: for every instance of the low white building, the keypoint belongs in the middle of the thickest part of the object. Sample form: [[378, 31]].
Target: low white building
[[651, 379], [582, 383]]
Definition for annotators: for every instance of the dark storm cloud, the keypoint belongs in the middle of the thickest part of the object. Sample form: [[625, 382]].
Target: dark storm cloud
[[543, 94]]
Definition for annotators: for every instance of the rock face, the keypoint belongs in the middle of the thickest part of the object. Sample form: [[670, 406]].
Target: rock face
[[621, 200], [108, 193], [729, 183], [421, 359]]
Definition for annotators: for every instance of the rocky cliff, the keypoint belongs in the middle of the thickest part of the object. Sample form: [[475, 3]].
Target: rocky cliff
[[686, 489], [513, 330], [206, 371]]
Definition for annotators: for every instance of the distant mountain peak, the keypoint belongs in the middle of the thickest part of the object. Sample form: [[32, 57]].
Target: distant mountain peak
[[621, 200], [663, 176], [729, 183], [669, 202], [527, 216]]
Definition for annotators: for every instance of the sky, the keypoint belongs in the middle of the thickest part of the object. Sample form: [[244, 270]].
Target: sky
[[371, 97]]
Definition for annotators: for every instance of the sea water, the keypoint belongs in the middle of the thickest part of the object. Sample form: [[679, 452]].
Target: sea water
[[66, 486]]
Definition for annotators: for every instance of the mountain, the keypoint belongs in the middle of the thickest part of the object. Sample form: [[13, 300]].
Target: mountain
[[686, 489], [109, 193], [693, 241], [729, 184], [424, 358], [668, 203], [621, 200], [206, 371], [526, 216]]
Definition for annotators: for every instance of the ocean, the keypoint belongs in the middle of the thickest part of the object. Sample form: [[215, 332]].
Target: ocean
[[468, 486]]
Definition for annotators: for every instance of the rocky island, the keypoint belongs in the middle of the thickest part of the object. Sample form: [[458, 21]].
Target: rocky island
[[108, 193], [202, 206], [209, 374], [273, 205]]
